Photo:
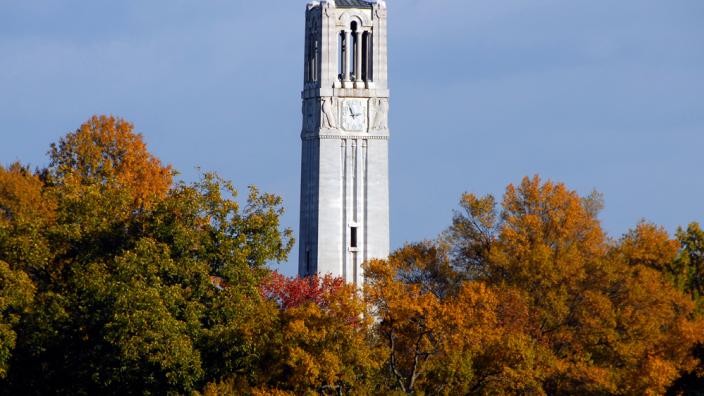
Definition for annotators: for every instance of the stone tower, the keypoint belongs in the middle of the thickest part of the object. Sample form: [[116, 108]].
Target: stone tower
[[344, 164]]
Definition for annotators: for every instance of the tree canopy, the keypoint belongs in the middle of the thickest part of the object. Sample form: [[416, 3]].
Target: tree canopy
[[117, 279]]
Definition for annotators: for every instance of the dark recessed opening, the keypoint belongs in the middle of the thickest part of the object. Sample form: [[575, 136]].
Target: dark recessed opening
[[353, 237]]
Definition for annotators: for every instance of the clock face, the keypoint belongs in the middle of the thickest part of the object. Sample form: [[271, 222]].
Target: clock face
[[354, 114]]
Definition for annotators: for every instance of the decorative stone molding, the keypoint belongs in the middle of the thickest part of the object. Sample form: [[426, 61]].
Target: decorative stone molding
[[328, 116], [348, 16], [379, 114], [315, 136]]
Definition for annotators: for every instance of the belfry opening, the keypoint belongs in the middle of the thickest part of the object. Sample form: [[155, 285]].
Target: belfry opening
[[354, 54]]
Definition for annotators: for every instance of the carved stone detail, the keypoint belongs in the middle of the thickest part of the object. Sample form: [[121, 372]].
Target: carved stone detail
[[380, 114], [381, 10], [328, 116]]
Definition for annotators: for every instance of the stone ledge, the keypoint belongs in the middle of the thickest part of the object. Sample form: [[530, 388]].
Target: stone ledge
[[313, 136]]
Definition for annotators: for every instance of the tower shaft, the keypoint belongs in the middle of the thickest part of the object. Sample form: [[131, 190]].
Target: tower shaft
[[344, 165]]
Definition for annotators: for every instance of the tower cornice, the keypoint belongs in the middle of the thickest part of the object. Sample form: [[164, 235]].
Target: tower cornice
[[344, 93]]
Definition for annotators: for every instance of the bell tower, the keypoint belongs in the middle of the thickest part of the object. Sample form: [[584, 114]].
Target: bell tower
[[344, 165]]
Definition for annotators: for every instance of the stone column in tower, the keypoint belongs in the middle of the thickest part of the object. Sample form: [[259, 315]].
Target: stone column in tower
[[346, 51], [358, 83]]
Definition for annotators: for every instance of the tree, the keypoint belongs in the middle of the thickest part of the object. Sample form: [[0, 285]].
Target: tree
[[116, 280], [687, 272], [292, 293], [325, 347], [472, 235], [462, 339], [26, 211], [123, 261], [690, 262], [21, 196], [16, 294], [321, 344], [649, 245], [105, 150], [611, 321], [406, 323]]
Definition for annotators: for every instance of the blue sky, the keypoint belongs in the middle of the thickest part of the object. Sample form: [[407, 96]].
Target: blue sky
[[605, 95]]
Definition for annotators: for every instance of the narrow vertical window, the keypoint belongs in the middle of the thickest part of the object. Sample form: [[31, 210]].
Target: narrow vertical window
[[353, 61], [308, 261], [353, 237], [307, 59], [341, 56], [316, 52], [370, 56], [365, 56], [313, 47], [310, 57]]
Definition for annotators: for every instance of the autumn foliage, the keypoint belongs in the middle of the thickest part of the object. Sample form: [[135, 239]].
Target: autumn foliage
[[532, 297], [292, 293], [106, 150], [116, 279]]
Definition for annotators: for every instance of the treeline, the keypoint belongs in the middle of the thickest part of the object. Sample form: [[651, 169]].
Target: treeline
[[114, 279]]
